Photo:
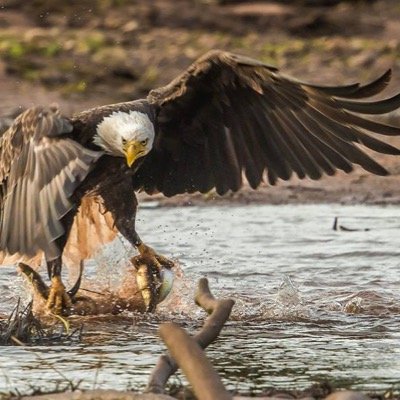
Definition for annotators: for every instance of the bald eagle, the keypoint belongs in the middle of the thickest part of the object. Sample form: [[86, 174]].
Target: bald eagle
[[225, 118]]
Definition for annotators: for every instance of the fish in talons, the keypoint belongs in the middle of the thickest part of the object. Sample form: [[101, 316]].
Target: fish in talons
[[154, 280], [143, 287]]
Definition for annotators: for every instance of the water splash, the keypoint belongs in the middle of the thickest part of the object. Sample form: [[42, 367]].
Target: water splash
[[288, 294]]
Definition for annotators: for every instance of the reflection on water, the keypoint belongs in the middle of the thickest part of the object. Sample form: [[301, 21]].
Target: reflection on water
[[311, 304]]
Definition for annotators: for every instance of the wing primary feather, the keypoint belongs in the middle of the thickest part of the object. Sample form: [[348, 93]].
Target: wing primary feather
[[229, 169], [209, 180], [337, 91], [13, 217], [350, 133], [341, 116], [351, 152], [288, 144], [372, 88], [319, 122], [216, 147], [378, 107], [331, 152], [355, 91], [264, 146], [234, 164], [308, 163], [311, 166], [278, 156], [374, 144], [273, 155], [254, 166], [246, 160], [315, 149], [250, 139], [325, 107], [328, 107], [24, 210]]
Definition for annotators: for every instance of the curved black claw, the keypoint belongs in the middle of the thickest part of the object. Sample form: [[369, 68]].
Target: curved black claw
[[74, 290]]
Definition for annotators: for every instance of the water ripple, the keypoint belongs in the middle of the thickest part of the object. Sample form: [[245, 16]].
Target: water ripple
[[311, 304]]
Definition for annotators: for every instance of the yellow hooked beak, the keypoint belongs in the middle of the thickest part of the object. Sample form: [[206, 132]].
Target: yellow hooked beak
[[133, 150]]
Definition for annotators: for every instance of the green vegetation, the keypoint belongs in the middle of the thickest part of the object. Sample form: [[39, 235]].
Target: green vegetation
[[131, 47]]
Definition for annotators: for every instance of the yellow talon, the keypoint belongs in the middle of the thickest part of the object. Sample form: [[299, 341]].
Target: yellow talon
[[58, 298], [152, 257]]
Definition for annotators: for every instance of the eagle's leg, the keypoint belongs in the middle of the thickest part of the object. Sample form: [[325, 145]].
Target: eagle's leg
[[122, 203], [58, 298]]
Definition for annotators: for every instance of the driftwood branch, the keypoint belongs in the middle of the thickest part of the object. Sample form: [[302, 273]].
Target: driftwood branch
[[219, 311], [191, 358]]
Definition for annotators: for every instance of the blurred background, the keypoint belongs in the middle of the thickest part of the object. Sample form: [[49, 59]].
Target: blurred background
[[83, 54], [97, 51]]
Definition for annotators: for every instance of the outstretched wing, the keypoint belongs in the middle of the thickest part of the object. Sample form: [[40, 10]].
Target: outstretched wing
[[39, 171], [228, 114]]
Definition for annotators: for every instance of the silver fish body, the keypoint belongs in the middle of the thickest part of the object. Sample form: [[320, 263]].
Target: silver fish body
[[154, 284]]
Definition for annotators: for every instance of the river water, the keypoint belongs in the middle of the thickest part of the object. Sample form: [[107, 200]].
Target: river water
[[312, 304]]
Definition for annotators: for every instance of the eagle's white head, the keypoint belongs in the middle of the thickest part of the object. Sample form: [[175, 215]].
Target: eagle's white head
[[126, 134]]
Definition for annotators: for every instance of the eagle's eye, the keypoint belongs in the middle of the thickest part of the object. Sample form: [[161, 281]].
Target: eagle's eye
[[124, 141], [144, 142]]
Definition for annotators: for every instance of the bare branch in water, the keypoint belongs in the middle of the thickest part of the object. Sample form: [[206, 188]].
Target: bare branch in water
[[191, 358], [219, 311]]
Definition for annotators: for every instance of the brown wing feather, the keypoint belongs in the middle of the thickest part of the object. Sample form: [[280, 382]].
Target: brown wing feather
[[228, 114], [39, 171]]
